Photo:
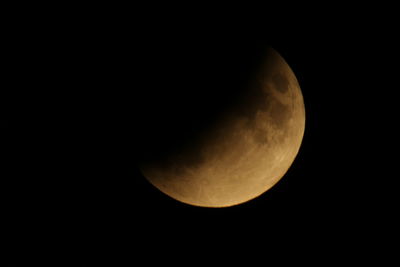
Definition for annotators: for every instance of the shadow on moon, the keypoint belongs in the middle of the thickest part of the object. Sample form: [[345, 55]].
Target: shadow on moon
[[196, 137]]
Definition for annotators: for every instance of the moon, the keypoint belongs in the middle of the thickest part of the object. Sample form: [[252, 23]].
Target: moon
[[247, 149]]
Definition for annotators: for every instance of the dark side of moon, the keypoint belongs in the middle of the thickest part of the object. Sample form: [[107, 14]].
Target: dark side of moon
[[245, 150]]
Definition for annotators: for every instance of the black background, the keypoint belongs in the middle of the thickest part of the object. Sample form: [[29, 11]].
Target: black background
[[89, 100]]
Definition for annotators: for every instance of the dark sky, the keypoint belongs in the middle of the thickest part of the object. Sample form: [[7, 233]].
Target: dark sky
[[99, 98]]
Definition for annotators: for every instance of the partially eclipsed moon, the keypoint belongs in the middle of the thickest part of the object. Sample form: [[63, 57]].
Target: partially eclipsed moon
[[247, 150]]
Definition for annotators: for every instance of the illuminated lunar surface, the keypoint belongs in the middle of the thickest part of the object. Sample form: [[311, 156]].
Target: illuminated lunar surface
[[246, 151]]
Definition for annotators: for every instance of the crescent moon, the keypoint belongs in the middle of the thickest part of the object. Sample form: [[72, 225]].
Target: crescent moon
[[246, 151]]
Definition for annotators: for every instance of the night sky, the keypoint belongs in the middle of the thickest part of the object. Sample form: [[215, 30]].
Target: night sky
[[101, 100]]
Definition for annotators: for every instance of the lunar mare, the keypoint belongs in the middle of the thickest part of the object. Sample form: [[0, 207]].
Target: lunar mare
[[247, 150]]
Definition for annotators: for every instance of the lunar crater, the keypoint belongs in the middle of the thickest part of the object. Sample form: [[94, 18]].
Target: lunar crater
[[281, 83]]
